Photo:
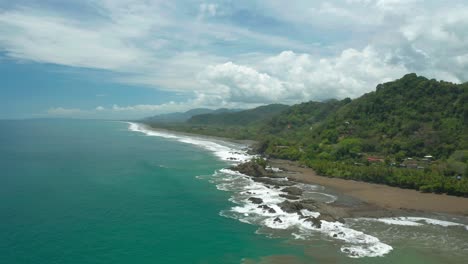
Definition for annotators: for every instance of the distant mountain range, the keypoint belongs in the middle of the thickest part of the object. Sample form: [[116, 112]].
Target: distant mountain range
[[242, 118]]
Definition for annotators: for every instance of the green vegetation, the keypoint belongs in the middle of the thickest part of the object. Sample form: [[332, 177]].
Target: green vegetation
[[242, 118], [410, 133]]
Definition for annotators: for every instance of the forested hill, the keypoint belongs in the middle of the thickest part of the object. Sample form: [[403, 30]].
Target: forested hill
[[241, 118], [411, 132], [412, 116], [300, 116], [179, 117]]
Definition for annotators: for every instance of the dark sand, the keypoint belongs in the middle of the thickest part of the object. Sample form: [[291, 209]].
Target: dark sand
[[378, 195], [362, 198]]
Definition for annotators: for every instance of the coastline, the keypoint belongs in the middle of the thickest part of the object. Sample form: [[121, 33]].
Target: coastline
[[289, 201], [358, 199], [245, 142], [378, 196]]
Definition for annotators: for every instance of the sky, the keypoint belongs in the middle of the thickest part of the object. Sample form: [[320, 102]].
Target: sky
[[121, 59]]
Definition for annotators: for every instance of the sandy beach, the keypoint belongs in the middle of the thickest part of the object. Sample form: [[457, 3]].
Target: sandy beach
[[377, 195], [361, 199]]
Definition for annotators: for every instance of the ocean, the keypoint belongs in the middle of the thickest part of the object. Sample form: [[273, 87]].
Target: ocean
[[90, 191]]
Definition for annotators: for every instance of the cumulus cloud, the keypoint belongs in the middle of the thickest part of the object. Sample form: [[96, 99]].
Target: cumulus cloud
[[238, 83], [291, 77], [236, 54]]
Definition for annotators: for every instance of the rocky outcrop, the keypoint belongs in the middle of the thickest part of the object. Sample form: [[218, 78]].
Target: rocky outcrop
[[252, 168], [314, 221], [267, 208], [277, 220], [290, 197], [256, 200], [293, 190], [293, 204], [291, 207], [273, 182]]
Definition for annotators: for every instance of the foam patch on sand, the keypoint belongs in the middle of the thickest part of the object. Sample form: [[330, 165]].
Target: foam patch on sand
[[414, 221]]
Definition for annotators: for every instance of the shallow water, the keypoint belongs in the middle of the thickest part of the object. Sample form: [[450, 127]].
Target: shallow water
[[110, 192]]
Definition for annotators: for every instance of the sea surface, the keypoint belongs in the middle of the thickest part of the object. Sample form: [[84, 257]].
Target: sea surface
[[89, 191]]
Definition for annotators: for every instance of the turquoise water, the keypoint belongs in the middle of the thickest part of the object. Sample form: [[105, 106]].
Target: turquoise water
[[94, 192], [75, 191]]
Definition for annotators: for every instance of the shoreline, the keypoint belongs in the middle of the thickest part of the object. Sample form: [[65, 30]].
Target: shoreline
[[359, 199], [246, 142], [377, 197], [295, 202]]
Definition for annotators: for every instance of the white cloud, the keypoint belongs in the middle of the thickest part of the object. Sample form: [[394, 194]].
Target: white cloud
[[46, 38], [291, 77], [239, 83], [302, 51]]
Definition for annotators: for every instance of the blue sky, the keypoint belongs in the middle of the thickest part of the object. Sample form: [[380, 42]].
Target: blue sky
[[132, 58]]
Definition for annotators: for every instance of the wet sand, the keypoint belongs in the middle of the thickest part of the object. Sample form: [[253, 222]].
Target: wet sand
[[362, 199], [378, 195]]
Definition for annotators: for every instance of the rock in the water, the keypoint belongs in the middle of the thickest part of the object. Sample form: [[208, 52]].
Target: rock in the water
[[277, 220], [256, 200], [315, 222], [275, 183], [293, 190], [251, 168], [291, 207], [330, 218], [267, 208], [290, 197]]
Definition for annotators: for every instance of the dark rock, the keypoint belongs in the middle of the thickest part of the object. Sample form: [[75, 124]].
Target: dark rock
[[309, 201], [330, 218], [335, 235], [251, 168], [326, 217], [315, 222], [310, 205], [293, 190], [267, 208], [275, 183], [256, 200], [290, 197], [277, 220], [291, 207]]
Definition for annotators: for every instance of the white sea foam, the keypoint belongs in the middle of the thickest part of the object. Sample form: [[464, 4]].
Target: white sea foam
[[356, 243], [306, 212], [414, 221], [223, 150], [432, 221], [393, 221], [274, 169]]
